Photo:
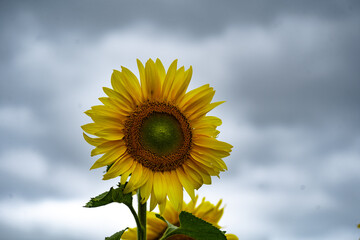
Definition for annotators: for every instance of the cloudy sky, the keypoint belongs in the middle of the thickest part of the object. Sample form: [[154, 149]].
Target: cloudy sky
[[289, 71]]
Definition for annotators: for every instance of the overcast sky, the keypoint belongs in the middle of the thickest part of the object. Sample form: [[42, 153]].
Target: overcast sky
[[289, 71]]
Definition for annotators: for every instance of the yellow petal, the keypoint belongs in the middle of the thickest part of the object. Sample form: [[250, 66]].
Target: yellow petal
[[105, 147], [211, 143], [134, 179], [107, 111], [152, 80], [122, 85], [208, 132], [162, 206], [94, 141], [196, 105], [183, 83], [230, 236], [132, 83], [107, 122], [175, 192], [114, 95], [126, 174], [159, 187], [198, 169], [169, 79], [160, 70], [122, 165], [145, 190], [216, 153], [179, 77], [205, 110], [209, 162], [92, 128], [110, 134], [142, 80], [206, 121], [153, 200], [109, 157], [207, 156], [115, 106], [184, 180], [193, 175], [191, 94]]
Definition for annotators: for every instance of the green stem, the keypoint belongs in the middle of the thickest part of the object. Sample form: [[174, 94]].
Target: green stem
[[138, 224], [142, 218]]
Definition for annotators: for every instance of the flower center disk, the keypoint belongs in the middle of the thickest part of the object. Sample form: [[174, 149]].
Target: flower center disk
[[158, 136], [161, 134]]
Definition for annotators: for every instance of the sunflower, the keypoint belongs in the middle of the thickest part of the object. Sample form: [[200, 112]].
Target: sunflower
[[156, 227], [155, 135]]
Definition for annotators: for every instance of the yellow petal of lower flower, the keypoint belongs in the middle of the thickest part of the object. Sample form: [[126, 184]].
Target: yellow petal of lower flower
[[205, 210], [130, 234], [230, 236]]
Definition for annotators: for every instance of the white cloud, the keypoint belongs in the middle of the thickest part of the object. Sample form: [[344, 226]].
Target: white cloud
[[20, 120], [65, 217], [26, 164]]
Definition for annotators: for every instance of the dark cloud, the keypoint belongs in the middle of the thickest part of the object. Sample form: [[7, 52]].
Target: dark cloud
[[197, 18]]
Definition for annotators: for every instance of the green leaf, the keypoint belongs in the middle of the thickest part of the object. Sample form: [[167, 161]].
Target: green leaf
[[113, 195], [193, 227], [116, 236]]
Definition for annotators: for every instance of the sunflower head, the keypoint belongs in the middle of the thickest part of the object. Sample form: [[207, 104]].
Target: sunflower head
[[155, 135], [156, 227]]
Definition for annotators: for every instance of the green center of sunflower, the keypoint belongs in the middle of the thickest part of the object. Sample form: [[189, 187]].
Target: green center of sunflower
[[161, 134], [158, 136]]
